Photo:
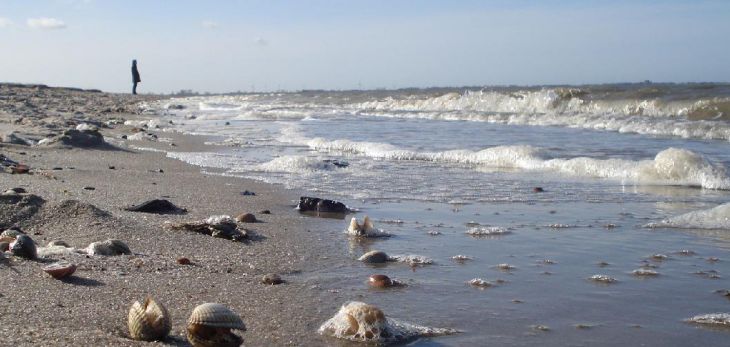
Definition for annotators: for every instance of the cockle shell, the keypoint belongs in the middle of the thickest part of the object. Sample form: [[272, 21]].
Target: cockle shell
[[361, 322], [60, 269], [366, 229], [374, 257], [148, 321], [24, 247], [380, 281], [108, 247], [210, 325]]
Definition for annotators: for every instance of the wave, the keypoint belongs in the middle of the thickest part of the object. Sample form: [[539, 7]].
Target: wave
[[296, 164], [715, 218], [672, 166], [704, 119]]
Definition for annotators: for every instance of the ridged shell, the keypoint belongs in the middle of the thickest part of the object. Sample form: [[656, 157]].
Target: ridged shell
[[148, 321], [216, 315], [202, 336], [60, 269]]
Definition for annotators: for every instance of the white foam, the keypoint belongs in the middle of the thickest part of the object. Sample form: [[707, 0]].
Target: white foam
[[721, 319], [672, 166], [295, 164], [555, 107], [714, 218], [204, 159]]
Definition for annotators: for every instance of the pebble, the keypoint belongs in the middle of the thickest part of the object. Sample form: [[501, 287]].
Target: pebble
[[265, 212], [183, 261], [246, 218], [272, 279], [89, 188]]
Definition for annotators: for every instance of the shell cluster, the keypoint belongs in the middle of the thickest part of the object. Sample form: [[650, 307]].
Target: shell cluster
[[210, 325], [148, 321], [361, 322]]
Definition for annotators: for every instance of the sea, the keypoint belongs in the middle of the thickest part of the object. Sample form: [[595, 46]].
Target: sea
[[591, 215]]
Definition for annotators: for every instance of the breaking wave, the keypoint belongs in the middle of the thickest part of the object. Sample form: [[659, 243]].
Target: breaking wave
[[714, 218]]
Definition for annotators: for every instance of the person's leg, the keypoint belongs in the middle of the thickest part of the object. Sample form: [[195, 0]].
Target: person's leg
[[134, 88]]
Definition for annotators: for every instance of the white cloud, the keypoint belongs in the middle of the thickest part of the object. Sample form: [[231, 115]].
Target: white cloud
[[4, 22], [261, 42], [46, 23], [209, 24]]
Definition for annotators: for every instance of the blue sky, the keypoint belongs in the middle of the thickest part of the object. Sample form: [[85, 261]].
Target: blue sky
[[223, 46]]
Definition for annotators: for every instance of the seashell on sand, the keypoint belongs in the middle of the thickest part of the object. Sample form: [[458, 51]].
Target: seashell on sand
[[360, 322], [366, 229], [374, 257], [60, 269], [108, 247], [148, 321], [246, 218], [24, 247], [210, 325]]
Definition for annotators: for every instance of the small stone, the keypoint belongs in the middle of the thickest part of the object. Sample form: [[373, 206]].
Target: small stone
[[183, 261], [272, 279], [265, 212], [89, 188], [112, 167], [538, 190], [380, 281], [246, 218]]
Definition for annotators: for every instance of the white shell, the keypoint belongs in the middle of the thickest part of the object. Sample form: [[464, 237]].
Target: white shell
[[148, 321], [366, 229], [216, 315], [108, 247]]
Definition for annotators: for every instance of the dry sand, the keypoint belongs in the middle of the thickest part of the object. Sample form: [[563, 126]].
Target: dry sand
[[90, 308]]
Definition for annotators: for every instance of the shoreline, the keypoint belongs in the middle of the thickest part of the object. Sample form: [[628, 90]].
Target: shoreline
[[91, 308]]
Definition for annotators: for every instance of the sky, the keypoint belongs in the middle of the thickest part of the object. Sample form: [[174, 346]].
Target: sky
[[261, 45]]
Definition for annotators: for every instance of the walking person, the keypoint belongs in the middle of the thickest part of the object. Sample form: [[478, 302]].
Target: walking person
[[135, 77]]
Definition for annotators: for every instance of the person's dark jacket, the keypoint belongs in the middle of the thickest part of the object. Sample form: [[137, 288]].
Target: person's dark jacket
[[135, 74]]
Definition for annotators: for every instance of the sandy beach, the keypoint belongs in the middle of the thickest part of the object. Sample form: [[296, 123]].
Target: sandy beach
[[78, 195]]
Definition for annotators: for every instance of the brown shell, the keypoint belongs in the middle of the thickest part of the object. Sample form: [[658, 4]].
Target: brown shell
[[60, 269], [216, 316], [148, 321], [380, 281]]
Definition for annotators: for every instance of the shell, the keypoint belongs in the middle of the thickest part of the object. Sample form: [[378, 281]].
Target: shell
[[374, 257], [58, 243], [360, 322], [24, 247], [246, 218], [216, 316], [108, 247], [12, 233], [148, 321], [60, 269], [209, 326], [203, 336], [380, 281]]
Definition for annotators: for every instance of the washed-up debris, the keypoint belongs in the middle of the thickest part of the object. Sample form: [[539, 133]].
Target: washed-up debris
[[158, 206], [76, 138], [216, 226], [60, 269], [321, 205]]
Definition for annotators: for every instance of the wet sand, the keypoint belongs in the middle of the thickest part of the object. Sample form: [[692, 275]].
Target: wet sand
[[90, 308]]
